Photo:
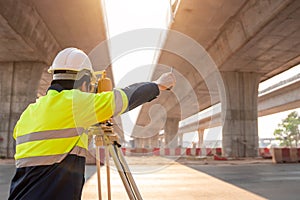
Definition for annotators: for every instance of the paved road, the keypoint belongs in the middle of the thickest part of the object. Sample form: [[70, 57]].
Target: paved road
[[171, 182], [199, 180], [272, 181], [6, 173]]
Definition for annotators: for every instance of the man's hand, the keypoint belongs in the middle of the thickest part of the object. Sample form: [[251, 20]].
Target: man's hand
[[166, 81]]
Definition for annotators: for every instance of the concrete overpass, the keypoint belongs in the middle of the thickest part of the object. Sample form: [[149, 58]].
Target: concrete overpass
[[31, 34], [249, 41], [273, 100]]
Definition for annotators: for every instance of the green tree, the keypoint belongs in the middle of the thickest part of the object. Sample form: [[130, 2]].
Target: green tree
[[288, 130]]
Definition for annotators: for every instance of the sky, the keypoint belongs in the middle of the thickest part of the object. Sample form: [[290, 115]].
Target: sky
[[122, 16]]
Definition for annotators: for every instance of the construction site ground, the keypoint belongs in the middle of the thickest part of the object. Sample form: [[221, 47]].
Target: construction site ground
[[190, 178]]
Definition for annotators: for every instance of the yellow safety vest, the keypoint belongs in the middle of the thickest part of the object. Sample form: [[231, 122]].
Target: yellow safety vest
[[54, 126]]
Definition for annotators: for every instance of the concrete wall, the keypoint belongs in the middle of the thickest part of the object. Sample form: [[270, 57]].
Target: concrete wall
[[18, 88]]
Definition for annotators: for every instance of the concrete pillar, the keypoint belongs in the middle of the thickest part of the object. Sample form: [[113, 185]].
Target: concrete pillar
[[161, 141], [171, 129], [137, 143], [19, 84], [180, 139], [151, 142], [141, 142], [239, 114], [154, 141], [147, 142], [200, 137]]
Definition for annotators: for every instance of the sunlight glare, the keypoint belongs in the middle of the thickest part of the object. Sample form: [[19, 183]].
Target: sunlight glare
[[127, 15]]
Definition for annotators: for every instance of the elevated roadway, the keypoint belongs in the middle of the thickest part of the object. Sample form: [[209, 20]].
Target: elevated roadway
[[247, 42], [285, 97], [32, 32]]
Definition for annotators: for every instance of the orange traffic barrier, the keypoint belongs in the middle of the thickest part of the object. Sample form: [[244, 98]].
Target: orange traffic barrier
[[285, 155], [217, 157]]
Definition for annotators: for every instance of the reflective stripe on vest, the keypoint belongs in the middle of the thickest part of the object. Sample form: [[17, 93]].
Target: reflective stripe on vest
[[48, 160], [50, 145], [51, 134], [121, 102]]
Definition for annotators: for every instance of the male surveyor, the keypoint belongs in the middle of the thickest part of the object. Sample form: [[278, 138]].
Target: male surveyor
[[50, 139]]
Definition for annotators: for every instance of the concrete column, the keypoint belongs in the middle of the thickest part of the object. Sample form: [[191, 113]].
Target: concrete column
[[200, 137], [147, 142], [161, 141], [171, 129], [137, 143], [19, 84], [154, 141], [180, 139], [141, 143], [151, 143], [239, 114]]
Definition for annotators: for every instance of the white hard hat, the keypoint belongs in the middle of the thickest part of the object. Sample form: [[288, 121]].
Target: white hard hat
[[72, 60]]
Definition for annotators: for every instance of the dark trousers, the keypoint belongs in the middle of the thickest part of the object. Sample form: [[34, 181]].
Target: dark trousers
[[61, 181]]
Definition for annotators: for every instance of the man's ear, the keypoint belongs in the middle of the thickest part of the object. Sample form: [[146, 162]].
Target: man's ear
[[83, 87]]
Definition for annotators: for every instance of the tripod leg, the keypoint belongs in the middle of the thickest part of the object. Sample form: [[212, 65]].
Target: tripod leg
[[124, 173], [98, 172], [107, 173], [128, 173]]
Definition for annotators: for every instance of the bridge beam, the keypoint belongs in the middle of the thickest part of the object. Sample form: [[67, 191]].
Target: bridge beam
[[25, 36], [239, 114]]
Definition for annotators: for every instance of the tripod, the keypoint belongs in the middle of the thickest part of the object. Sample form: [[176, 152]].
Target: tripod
[[105, 136]]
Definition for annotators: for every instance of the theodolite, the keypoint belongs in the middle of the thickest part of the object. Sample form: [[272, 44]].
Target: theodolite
[[104, 135]]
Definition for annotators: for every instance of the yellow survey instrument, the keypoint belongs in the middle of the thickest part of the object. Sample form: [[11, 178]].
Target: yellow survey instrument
[[104, 135]]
